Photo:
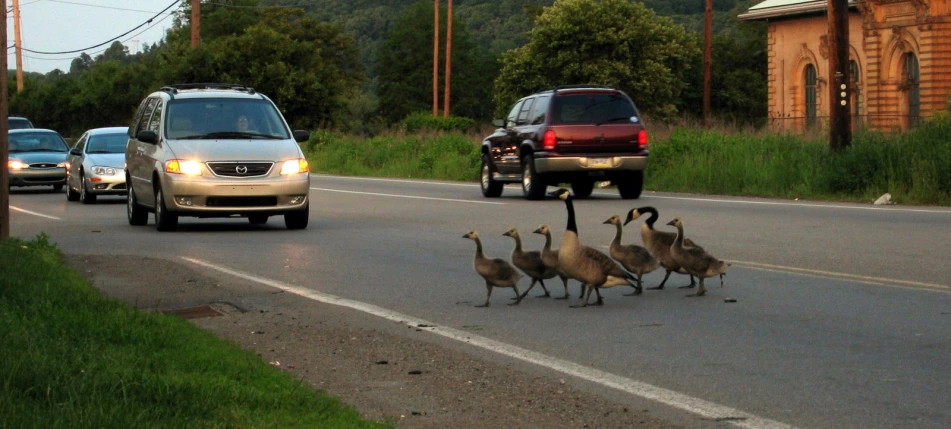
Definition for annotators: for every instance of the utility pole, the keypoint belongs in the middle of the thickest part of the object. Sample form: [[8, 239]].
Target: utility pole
[[196, 22], [18, 43], [707, 60], [4, 139], [445, 102], [436, 58], [840, 133]]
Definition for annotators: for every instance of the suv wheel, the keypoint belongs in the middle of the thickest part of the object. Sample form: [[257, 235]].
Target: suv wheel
[[164, 221], [490, 187], [631, 185], [533, 187], [582, 188], [297, 219], [137, 214], [84, 194], [71, 195]]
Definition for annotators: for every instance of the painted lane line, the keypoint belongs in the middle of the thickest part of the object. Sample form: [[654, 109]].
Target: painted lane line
[[704, 409], [382, 179], [778, 203], [881, 281], [406, 196], [34, 213]]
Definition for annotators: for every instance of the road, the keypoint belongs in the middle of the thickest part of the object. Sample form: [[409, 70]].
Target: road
[[842, 316]]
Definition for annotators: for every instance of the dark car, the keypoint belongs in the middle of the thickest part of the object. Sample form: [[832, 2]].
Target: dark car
[[37, 157], [18, 123], [576, 135]]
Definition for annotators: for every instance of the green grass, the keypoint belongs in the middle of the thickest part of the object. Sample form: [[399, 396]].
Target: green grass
[[914, 167], [72, 358]]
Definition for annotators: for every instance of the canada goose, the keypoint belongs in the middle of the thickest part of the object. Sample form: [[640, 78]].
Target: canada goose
[[530, 263], [632, 257], [585, 264], [658, 243], [694, 260], [550, 258], [496, 272]]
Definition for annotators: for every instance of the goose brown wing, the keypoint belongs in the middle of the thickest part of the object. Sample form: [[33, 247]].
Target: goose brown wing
[[606, 264]]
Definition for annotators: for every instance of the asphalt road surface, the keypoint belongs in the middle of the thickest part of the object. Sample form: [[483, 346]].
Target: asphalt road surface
[[841, 319]]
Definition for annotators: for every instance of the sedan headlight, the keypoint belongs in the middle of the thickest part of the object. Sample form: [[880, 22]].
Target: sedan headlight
[[180, 166], [104, 171], [295, 166], [16, 164], [63, 164]]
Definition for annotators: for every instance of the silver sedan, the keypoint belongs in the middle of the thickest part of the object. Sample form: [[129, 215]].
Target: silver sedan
[[95, 165]]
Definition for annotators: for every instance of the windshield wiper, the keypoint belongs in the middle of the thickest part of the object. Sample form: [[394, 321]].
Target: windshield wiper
[[101, 151], [618, 118]]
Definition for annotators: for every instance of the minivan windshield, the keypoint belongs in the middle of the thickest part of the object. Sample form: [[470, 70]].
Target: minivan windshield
[[224, 119], [592, 108]]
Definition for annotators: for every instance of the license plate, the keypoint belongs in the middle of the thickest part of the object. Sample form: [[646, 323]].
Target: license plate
[[600, 162]]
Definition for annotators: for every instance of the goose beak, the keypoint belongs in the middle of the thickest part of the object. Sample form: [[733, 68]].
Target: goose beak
[[630, 216], [672, 223], [607, 222], [506, 234], [537, 231]]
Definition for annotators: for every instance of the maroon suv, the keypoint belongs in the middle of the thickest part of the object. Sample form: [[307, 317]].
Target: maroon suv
[[576, 135]]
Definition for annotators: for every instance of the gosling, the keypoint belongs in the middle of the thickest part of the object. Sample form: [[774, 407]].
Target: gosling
[[496, 272], [658, 243], [530, 263], [632, 257], [696, 261]]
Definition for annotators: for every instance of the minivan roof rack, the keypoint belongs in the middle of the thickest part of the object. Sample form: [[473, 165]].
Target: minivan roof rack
[[174, 88]]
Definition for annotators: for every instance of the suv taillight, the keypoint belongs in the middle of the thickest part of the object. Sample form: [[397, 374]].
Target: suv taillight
[[549, 140], [642, 139]]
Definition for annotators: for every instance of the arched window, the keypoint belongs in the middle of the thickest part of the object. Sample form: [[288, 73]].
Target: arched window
[[811, 100], [910, 82], [855, 79]]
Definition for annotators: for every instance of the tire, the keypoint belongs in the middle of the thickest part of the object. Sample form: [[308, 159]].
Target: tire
[[71, 195], [137, 214], [631, 185], [57, 187], [164, 221], [84, 196], [533, 186], [297, 219], [257, 219], [582, 188], [490, 187]]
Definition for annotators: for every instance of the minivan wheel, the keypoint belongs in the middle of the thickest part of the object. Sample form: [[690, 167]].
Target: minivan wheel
[[297, 219], [630, 185], [582, 188], [84, 194], [137, 214], [490, 187], [533, 187], [71, 195], [164, 221]]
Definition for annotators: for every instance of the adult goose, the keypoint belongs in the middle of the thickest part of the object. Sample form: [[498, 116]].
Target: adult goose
[[496, 272], [659, 242], [550, 258], [585, 264], [696, 261], [636, 259], [530, 263]]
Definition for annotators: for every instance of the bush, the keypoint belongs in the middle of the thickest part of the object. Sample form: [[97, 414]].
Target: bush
[[422, 121]]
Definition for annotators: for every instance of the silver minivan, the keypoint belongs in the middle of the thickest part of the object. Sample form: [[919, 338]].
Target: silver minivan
[[214, 150]]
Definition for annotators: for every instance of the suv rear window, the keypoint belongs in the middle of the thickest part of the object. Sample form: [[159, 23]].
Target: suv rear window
[[223, 118], [591, 108]]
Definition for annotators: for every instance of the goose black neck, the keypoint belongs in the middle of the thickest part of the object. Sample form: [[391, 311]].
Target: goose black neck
[[572, 226], [653, 216]]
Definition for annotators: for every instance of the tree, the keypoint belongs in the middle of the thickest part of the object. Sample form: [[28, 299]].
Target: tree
[[610, 42], [405, 68], [80, 64]]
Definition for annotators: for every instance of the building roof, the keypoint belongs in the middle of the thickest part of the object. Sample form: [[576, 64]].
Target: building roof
[[785, 8]]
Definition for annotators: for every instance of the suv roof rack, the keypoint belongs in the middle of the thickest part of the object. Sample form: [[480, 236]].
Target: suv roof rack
[[579, 86], [174, 88]]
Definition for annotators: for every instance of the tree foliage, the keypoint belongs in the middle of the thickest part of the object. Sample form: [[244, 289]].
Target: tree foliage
[[609, 42]]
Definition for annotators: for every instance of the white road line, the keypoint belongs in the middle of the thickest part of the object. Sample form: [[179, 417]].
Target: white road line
[[406, 196], [832, 275], [34, 213], [383, 179], [704, 409]]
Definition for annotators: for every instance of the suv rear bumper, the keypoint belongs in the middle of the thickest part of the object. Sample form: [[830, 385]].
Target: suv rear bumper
[[590, 163]]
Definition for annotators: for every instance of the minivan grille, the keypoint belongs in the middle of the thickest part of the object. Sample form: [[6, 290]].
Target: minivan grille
[[240, 169]]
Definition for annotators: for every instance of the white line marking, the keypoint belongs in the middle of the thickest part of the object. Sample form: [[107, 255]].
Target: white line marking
[[877, 281], [382, 179], [34, 213], [703, 408], [817, 205], [405, 196]]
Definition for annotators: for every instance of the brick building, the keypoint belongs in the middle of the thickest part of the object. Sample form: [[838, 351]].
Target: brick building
[[899, 58]]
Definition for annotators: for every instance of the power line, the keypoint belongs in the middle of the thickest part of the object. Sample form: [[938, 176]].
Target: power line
[[104, 49], [100, 6], [149, 21]]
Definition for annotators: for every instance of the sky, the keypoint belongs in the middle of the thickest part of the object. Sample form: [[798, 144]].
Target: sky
[[68, 25]]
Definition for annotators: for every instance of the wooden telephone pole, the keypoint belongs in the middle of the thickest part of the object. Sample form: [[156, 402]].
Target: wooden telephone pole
[[840, 120], [17, 43], [445, 101], [196, 22], [707, 60], [436, 58], [4, 139]]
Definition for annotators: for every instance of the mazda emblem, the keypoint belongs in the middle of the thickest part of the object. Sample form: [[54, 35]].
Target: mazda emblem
[[241, 169]]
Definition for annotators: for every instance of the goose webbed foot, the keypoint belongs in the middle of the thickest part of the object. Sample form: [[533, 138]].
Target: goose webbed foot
[[482, 305], [693, 284], [700, 292], [656, 287]]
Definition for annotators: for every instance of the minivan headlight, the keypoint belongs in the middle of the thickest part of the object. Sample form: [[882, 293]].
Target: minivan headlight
[[104, 171], [186, 167], [295, 166]]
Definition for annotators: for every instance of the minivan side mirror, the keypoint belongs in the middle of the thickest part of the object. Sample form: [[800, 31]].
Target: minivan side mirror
[[76, 151], [301, 135], [498, 122], [147, 136]]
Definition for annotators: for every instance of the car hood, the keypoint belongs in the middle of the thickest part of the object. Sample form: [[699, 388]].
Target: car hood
[[116, 160], [235, 150], [39, 157]]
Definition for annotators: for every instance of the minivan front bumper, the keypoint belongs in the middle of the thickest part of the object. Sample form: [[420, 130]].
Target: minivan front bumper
[[198, 196]]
